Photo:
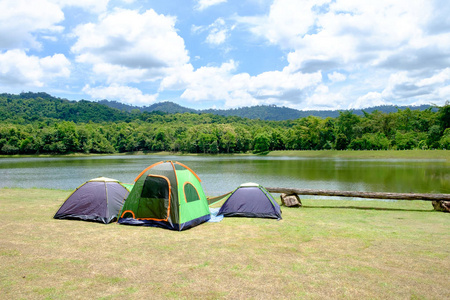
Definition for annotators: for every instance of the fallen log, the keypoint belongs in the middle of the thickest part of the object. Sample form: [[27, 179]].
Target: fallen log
[[356, 194]]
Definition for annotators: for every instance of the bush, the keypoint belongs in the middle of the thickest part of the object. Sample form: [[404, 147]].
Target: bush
[[444, 142], [370, 141]]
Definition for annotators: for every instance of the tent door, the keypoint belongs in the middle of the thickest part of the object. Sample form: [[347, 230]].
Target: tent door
[[155, 199]]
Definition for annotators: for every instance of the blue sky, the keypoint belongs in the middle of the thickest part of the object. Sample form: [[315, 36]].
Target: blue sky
[[304, 54]]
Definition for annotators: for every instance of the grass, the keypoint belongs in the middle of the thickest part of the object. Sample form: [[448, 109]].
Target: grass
[[329, 249], [367, 154]]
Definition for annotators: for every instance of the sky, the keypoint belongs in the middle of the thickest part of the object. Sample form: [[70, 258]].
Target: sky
[[303, 54]]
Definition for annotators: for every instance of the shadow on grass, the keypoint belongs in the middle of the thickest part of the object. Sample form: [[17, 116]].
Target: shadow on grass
[[369, 208]]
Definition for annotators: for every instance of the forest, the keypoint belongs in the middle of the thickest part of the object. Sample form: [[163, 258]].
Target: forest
[[36, 123]]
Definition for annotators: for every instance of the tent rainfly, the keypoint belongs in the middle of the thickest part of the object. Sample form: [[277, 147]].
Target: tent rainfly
[[98, 200], [251, 200], [167, 194]]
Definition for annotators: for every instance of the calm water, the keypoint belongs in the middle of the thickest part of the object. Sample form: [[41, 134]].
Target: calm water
[[221, 174]]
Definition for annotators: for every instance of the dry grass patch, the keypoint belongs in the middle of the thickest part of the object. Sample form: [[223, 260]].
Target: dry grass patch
[[328, 249]]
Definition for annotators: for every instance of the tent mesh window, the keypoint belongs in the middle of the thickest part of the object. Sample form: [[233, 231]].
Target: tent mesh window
[[190, 192], [154, 202], [155, 187]]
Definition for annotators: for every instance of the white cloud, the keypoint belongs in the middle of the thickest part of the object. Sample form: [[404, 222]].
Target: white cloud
[[287, 22], [95, 6], [444, 93], [336, 77], [369, 100], [22, 19], [321, 98], [278, 82], [56, 65], [208, 83], [144, 46], [122, 74], [221, 84], [369, 26], [334, 51], [19, 69], [348, 33], [438, 78], [409, 89], [218, 32], [204, 4], [197, 29], [120, 93], [49, 38], [363, 39], [24, 22]]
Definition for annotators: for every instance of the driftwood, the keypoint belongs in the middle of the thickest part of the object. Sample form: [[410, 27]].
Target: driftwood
[[371, 195], [441, 206], [290, 200]]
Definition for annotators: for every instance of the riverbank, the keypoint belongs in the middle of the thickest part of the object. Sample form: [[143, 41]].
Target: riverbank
[[327, 249], [366, 154], [361, 154]]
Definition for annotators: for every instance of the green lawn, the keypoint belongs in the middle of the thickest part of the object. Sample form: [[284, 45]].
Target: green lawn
[[367, 154], [326, 250]]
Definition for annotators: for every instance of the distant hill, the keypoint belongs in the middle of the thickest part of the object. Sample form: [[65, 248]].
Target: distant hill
[[30, 107], [262, 112], [166, 106], [118, 105], [275, 113]]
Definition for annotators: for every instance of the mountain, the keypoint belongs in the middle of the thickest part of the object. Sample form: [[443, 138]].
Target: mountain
[[29, 107], [275, 113], [166, 106], [118, 105], [262, 112], [169, 107]]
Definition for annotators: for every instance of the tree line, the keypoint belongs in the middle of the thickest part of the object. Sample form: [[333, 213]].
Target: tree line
[[212, 134], [29, 107]]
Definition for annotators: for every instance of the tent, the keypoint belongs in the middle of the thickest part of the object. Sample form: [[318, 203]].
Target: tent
[[251, 200], [167, 194], [98, 199]]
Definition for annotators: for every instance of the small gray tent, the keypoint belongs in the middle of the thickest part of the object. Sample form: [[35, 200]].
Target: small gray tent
[[251, 200], [99, 200]]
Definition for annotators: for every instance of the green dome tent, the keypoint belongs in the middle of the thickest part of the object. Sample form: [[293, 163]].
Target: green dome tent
[[167, 194]]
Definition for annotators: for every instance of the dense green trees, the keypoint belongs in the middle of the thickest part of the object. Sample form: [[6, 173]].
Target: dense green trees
[[88, 131], [31, 107]]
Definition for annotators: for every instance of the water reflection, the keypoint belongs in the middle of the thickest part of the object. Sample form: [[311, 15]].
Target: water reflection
[[221, 174]]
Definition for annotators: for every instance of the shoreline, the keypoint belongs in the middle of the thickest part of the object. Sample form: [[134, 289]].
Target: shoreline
[[357, 154]]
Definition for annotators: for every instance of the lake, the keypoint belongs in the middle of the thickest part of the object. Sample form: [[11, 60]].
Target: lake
[[221, 174]]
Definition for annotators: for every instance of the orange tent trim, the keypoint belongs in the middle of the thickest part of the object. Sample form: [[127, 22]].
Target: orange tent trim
[[128, 211], [146, 169]]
